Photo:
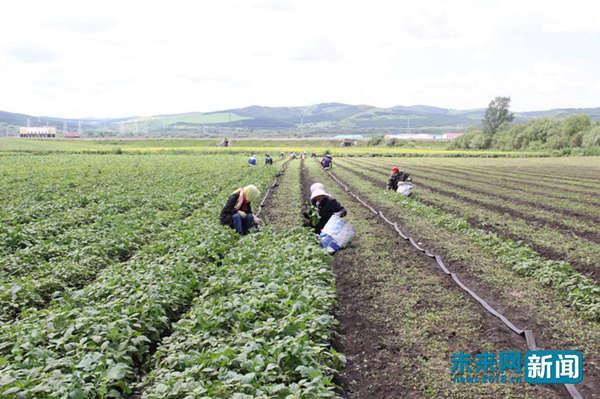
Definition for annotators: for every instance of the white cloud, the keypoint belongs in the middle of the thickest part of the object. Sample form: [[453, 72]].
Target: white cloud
[[318, 50], [32, 53], [144, 57], [85, 25]]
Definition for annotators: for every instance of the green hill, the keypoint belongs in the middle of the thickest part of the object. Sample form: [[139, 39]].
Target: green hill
[[324, 118]]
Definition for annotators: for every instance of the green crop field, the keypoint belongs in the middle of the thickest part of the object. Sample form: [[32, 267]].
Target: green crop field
[[117, 280], [247, 146]]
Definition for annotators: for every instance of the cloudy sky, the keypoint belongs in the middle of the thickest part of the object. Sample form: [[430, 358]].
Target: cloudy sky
[[119, 58]]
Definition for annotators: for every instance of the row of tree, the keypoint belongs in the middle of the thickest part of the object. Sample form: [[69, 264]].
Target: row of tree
[[498, 132]]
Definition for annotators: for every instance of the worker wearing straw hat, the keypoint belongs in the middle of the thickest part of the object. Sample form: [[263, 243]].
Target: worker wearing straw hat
[[325, 204]]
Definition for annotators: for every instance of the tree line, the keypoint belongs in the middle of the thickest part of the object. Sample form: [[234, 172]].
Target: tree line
[[574, 132]]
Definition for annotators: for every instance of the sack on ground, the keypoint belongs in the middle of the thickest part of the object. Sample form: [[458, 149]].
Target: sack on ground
[[405, 188], [327, 241], [340, 230]]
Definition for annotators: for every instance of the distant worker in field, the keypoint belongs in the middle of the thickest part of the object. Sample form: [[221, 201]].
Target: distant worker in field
[[252, 160], [313, 155], [400, 182], [268, 160], [327, 162], [281, 155], [293, 155], [396, 177], [303, 155], [237, 212], [226, 142], [326, 205]]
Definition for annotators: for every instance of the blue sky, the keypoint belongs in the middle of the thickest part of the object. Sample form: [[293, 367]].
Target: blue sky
[[117, 58]]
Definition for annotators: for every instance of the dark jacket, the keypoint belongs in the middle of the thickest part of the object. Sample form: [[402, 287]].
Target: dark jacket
[[395, 179], [229, 209], [327, 207]]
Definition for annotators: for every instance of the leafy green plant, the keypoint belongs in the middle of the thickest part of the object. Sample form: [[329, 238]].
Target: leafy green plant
[[91, 342], [260, 327]]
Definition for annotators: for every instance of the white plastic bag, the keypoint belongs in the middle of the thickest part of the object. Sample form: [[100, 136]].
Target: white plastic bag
[[405, 188], [340, 230]]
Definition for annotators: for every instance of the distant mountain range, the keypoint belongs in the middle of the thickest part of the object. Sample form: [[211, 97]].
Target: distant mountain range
[[325, 118]]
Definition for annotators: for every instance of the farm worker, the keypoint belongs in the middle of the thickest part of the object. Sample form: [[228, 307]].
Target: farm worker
[[303, 155], [325, 204], [281, 155], [313, 155], [327, 162], [237, 212], [396, 177], [252, 160], [268, 160]]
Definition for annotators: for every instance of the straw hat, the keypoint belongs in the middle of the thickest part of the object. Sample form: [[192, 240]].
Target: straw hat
[[317, 186], [317, 192]]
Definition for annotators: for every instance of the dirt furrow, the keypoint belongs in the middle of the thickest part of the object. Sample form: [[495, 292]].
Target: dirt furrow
[[549, 253], [496, 193], [592, 236], [400, 319], [509, 181], [549, 333]]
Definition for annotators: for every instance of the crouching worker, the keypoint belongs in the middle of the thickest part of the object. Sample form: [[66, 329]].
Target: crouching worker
[[400, 182], [396, 177], [237, 212], [327, 206], [327, 162]]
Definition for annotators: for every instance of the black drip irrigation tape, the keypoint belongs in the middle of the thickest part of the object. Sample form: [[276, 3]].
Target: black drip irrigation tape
[[527, 335], [272, 186]]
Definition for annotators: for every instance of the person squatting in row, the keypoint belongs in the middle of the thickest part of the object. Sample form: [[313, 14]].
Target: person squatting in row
[[326, 206], [396, 177], [237, 212], [327, 162]]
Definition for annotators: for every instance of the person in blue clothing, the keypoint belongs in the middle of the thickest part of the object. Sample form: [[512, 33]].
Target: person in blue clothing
[[327, 162], [252, 160]]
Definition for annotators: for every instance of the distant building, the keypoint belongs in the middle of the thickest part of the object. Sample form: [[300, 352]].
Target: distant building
[[452, 135], [424, 136], [412, 136], [349, 136], [38, 132], [71, 135]]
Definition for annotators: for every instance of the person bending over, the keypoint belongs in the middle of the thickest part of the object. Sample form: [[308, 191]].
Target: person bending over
[[326, 205], [237, 212], [396, 177], [327, 162]]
